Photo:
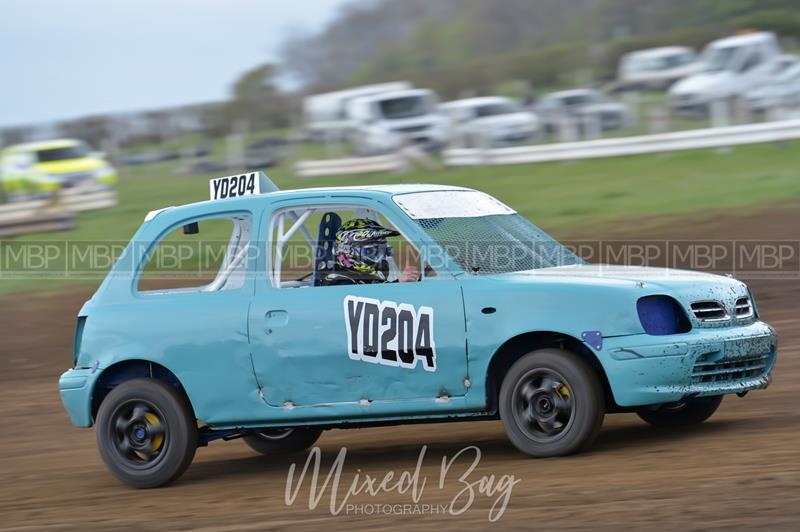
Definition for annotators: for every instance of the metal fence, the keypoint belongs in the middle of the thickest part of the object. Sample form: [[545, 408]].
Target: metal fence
[[715, 137]]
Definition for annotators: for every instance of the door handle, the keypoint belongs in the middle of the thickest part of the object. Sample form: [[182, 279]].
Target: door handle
[[275, 318]]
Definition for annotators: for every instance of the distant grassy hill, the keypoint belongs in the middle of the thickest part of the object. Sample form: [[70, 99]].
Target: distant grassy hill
[[462, 46]]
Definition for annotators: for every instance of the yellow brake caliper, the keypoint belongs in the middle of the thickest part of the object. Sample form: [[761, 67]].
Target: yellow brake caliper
[[153, 420]]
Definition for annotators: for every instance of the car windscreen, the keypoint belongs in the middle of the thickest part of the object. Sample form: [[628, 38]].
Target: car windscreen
[[405, 107], [580, 99], [499, 243], [59, 154], [481, 234], [493, 109], [717, 59], [661, 63]]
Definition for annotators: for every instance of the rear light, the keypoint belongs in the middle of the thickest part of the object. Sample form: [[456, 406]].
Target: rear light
[[76, 347], [662, 315]]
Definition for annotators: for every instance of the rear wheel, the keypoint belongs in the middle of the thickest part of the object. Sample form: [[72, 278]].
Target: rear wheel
[[691, 412], [551, 403], [146, 433], [282, 441]]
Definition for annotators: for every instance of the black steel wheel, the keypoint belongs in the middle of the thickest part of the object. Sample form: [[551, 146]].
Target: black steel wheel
[[692, 412], [551, 403], [282, 441], [146, 433]]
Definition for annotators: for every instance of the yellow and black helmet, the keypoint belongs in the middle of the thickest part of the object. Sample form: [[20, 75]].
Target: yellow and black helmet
[[361, 247]]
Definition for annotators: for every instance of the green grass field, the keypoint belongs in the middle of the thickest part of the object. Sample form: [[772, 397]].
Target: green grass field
[[557, 196]]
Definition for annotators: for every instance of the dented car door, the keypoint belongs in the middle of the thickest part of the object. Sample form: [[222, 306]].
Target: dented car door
[[378, 342]]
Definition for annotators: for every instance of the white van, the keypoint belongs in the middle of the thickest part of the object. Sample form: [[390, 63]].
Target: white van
[[656, 68], [492, 119], [325, 115], [386, 121], [731, 67]]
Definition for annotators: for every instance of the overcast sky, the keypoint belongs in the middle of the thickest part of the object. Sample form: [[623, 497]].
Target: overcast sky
[[67, 58]]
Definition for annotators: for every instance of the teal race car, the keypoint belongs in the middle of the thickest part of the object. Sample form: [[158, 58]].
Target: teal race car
[[233, 318]]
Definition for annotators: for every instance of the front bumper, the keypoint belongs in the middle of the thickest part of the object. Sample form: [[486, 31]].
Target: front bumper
[[75, 387], [645, 370], [514, 135]]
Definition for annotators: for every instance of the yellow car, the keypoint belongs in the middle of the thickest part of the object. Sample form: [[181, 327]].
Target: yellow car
[[42, 168]]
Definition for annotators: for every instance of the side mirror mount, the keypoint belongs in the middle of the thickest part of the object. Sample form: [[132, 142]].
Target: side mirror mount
[[191, 229]]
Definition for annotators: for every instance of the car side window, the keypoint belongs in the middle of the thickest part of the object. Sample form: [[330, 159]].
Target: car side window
[[206, 254], [303, 248]]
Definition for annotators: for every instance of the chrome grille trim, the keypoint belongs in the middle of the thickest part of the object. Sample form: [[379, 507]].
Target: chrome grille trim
[[709, 311], [743, 308]]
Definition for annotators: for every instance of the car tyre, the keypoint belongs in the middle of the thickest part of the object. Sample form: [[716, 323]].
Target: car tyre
[[146, 433], [551, 403], [692, 412], [282, 441]]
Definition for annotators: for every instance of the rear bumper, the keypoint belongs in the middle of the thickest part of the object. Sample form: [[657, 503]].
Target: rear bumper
[[644, 370], [75, 387]]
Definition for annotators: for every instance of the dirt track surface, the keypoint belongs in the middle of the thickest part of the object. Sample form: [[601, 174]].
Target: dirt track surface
[[739, 470]]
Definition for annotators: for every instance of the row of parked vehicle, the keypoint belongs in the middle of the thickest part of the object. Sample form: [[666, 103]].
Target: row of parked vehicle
[[750, 67], [382, 117]]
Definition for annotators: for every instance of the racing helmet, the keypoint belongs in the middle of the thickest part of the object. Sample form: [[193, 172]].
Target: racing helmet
[[361, 248]]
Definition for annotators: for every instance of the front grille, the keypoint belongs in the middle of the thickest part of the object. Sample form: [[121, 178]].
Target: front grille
[[709, 311], [74, 178], [744, 309], [730, 369]]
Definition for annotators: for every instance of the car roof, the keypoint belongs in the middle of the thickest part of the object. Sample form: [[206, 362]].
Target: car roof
[[245, 202], [661, 51], [363, 90], [571, 92], [474, 102], [394, 94], [44, 145], [747, 38]]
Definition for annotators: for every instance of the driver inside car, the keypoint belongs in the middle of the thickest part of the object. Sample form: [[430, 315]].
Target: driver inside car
[[361, 255]]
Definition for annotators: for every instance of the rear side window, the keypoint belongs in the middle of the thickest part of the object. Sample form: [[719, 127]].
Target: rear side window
[[201, 255]]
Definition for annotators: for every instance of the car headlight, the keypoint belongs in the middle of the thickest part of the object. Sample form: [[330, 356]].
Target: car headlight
[[103, 171], [662, 315]]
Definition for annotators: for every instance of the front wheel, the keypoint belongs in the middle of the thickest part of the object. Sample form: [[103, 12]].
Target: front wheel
[[551, 403], [282, 441], [146, 433], [692, 412]]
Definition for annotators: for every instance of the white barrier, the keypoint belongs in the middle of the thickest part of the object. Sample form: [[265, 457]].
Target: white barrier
[[76, 201], [662, 142], [51, 214], [37, 222], [354, 165]]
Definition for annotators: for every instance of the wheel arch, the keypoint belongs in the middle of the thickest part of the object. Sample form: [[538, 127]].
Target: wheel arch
[[514, 348], [126, 370]]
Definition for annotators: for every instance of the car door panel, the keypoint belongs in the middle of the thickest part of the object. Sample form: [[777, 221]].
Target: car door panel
[[375, 342]]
